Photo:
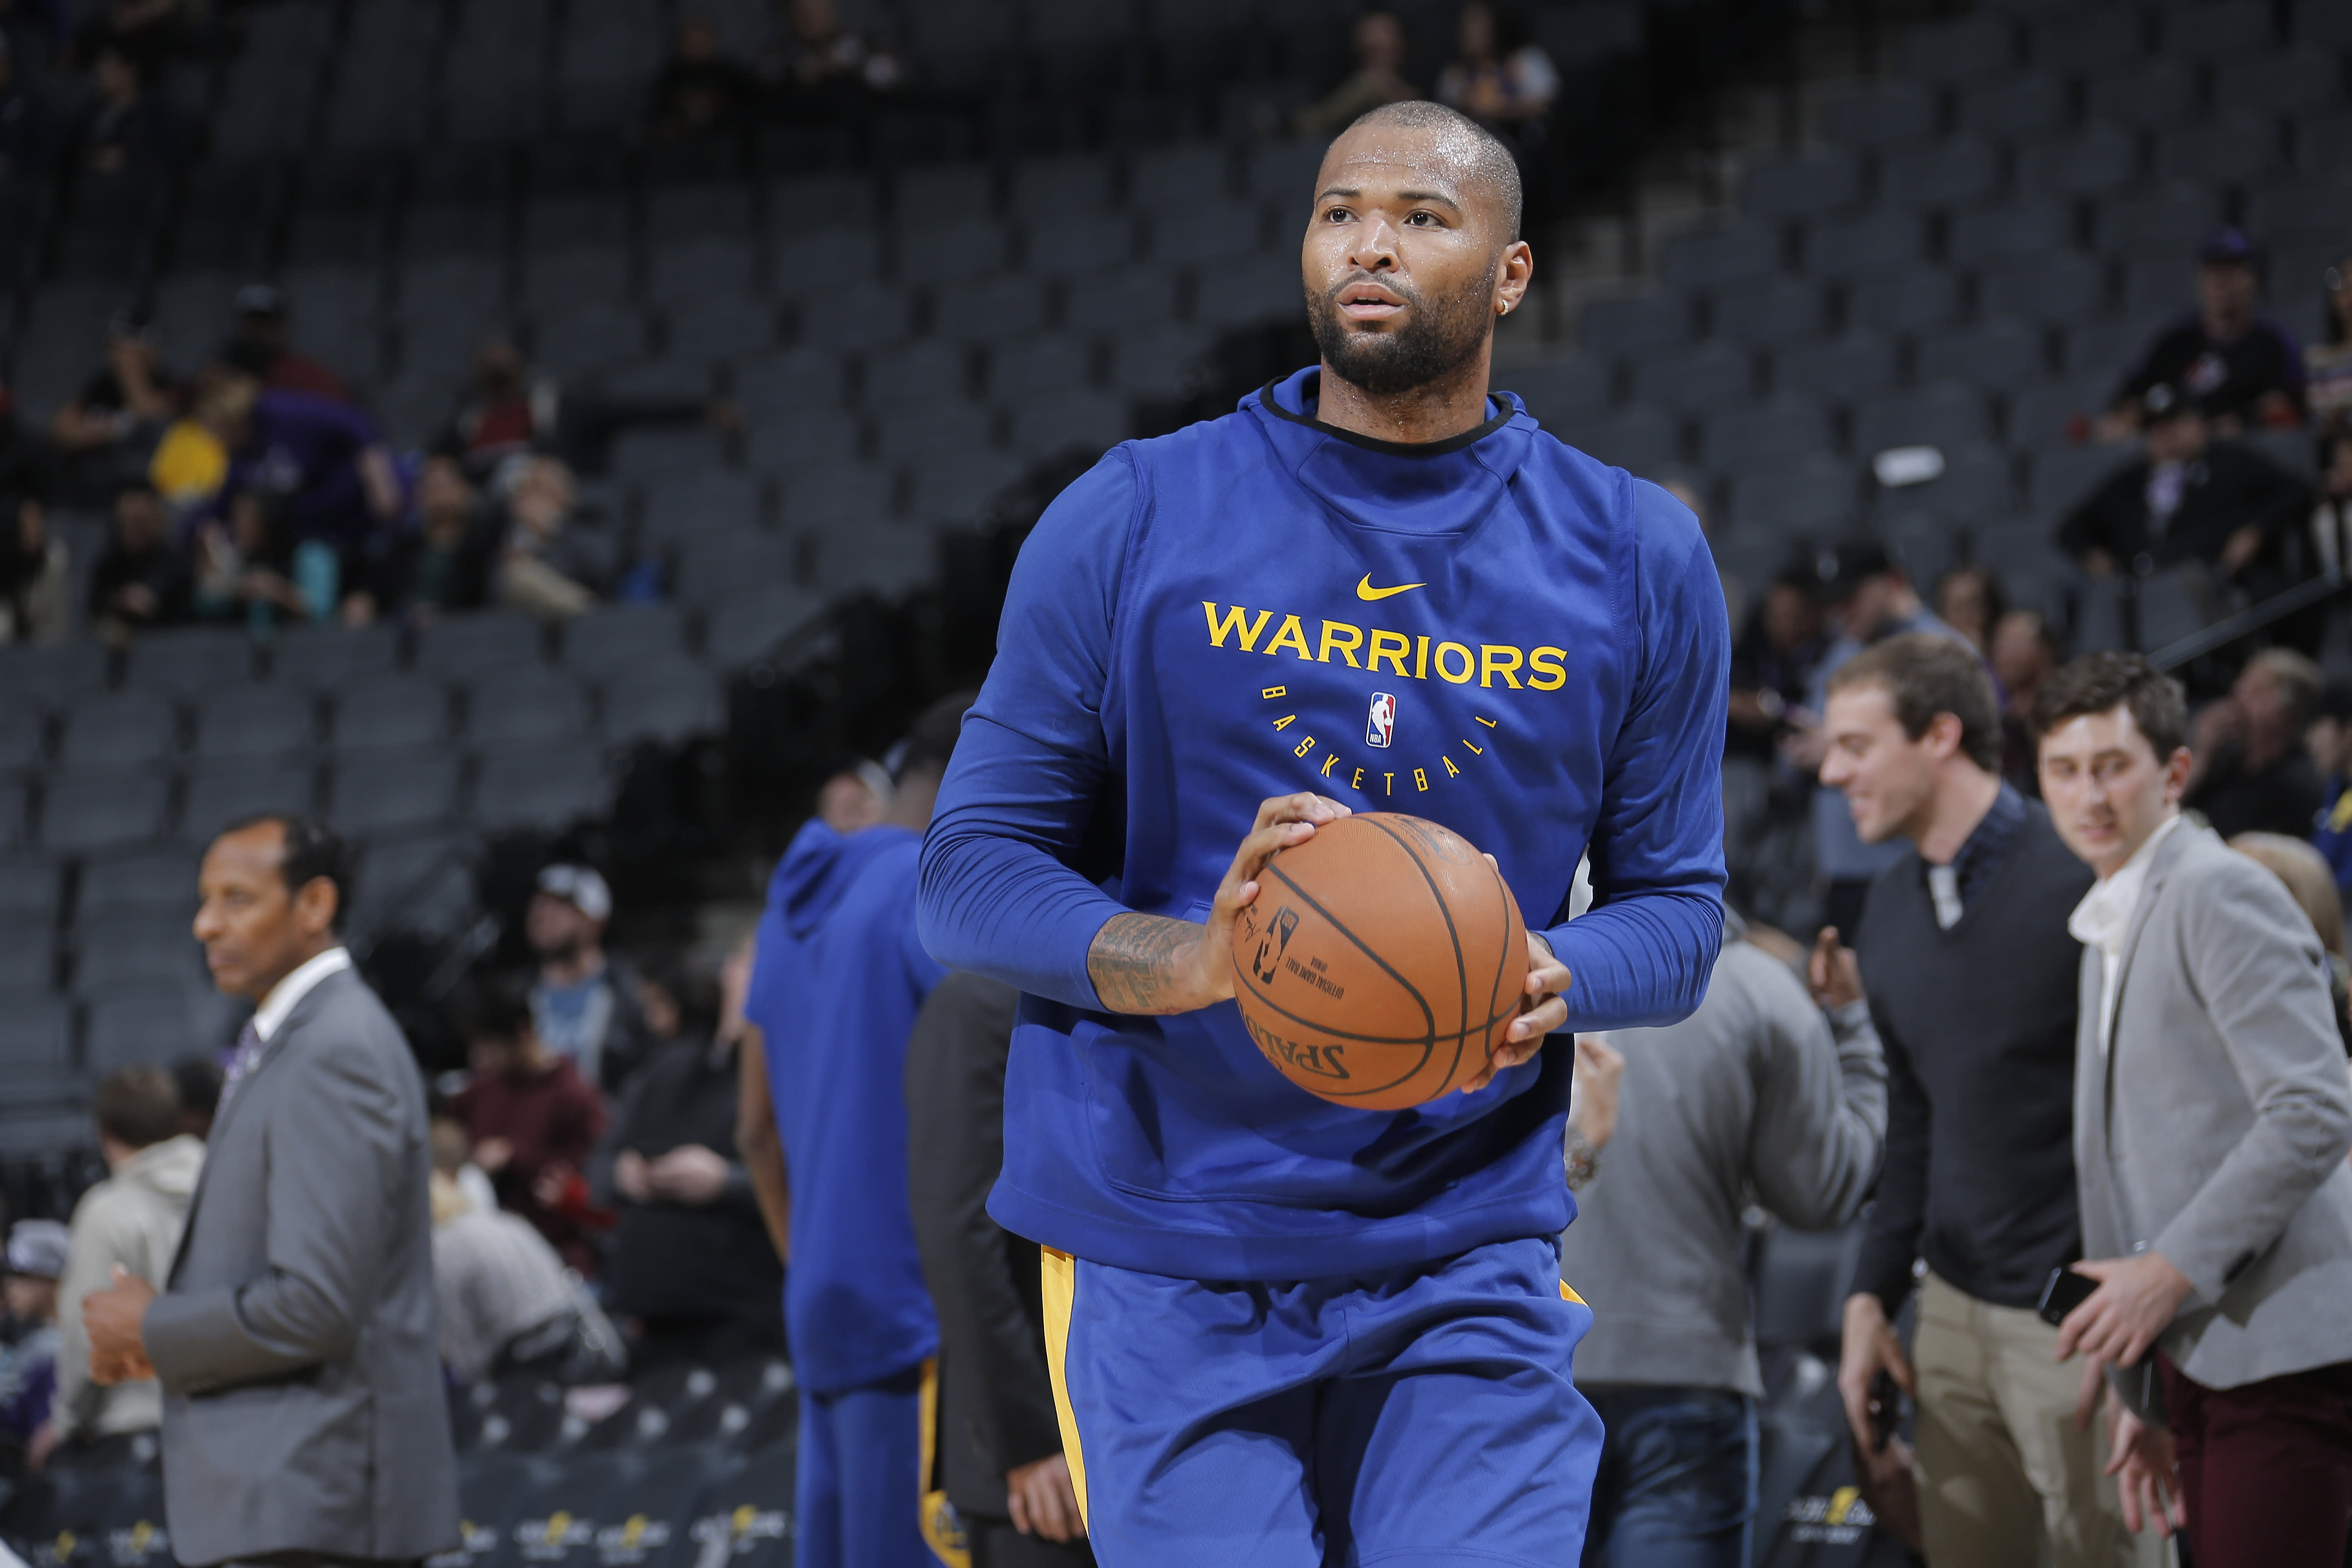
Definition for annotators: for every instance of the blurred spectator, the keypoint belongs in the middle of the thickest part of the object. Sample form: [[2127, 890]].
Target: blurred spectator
[[1500, 79], [2329, 741], [1756, 1092], [823, 64], [24, 121], [691, 1259], [2329, 365], [190, 465], [2331, 519], [129, 1221], [2238, 366], [550, 567], [2190, 498], [29, 1367], [2310, 881], [1379, 43], [246, 569], [142, 581], [583, 1001], [258, 346], [507, 413], [112, 423], [198, 1081], [506, 1303], [2211, 1122], [854, 797], [126, 127], [1969, 600], [1772, 663], [532, 1119], [2022, 654], [147, 31], [999, 1460], [319, 464], [2250, 770], [32, 573], [1870, 599], [700, 92], [1980, 1177], [442, 564]]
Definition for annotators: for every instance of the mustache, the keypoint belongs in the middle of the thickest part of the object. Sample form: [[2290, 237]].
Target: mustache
[[1396, 285]]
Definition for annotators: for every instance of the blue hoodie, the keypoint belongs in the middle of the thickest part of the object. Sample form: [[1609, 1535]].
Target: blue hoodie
[[834, 990], [1495, 632]]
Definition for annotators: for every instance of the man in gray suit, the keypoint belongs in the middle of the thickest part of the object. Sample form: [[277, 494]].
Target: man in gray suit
[[2211, 1120], [304, 1422]]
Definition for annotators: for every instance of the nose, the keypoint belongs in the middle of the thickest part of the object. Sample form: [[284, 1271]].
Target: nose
[[1375, 249], [207, 924]]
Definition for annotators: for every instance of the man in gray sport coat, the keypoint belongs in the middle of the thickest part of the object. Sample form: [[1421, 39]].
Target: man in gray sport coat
[[2213, 1115], [304, 1420]]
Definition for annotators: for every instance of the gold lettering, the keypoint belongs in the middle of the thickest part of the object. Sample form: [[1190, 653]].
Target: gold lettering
[[1421, 777], [1331, 761], [1292, 634], [1232, 623], [1451, 770], [1345, 647], [1357, 782], [1421, 658], [1469, 665], [1271, 692], [1303, 747], [1474, 750], [1495, 659], [1389, 646], [1554, 675], [1483, 720], [1387, 783], [1285, 722]]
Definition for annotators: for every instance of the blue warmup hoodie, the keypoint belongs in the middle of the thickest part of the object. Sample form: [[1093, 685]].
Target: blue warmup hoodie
[[1495, 632], [834, 990]]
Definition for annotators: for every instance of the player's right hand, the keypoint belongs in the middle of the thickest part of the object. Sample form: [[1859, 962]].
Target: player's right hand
[[1868, 1348], [1282, 821]]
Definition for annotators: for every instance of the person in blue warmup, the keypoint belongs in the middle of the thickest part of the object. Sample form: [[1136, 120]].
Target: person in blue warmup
[[839, 978], [1284, 1333]]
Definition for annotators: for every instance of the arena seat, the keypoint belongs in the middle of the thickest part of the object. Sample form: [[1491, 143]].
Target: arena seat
[[123, 727], [252, 721], [102, 808], [383, 713], [381, 792]]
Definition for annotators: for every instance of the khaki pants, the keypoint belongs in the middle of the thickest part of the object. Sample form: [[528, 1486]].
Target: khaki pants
[[2005, 1480]]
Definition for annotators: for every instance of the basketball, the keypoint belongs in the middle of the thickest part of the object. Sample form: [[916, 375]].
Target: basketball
[[1380, 961]]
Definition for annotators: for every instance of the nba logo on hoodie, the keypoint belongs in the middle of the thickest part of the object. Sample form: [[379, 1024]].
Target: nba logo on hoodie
[[1379, 726]]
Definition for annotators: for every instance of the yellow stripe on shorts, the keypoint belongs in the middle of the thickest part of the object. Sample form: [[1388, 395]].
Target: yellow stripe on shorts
[[1061, 1277], [1567, 1295]]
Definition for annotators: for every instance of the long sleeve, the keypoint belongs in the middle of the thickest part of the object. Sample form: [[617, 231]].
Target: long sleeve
[[99, 1243], [334, 1199], [1821, 1112], [1000, 896], [1644, 951], [2259, 968], [1891, 1244]]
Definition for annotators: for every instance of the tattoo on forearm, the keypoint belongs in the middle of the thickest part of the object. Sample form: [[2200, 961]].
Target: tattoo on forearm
[[1133, 962]]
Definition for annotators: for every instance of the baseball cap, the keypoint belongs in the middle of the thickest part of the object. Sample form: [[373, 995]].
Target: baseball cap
[[2227, 243], [580, 887], [37, 1247]]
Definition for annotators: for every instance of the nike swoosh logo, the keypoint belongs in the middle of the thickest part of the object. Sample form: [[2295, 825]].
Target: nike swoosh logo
[[1364, 590]]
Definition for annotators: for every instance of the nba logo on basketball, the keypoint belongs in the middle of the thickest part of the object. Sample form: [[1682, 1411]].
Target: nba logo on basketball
[[1379, 728]]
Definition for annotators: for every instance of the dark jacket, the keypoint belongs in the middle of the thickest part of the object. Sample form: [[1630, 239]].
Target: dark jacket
[[551, 1119], [996, 1399], [162, 568], [412, 575], [673, 1260], [2225, 490]]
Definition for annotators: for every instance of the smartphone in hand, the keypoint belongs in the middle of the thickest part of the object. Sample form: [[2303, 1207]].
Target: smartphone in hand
[[2065, 1291], [1887, 1410]]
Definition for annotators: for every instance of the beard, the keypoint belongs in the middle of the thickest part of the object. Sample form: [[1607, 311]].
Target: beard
[[1430, 343]]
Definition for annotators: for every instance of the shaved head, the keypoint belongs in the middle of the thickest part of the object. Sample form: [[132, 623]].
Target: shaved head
[[1480, 158]]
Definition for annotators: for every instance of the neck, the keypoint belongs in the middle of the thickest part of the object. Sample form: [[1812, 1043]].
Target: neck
[[1963, 795], [115, 1153], [2171, 812], [912, 800], [1441, 409], [570, 968], [259, 991]]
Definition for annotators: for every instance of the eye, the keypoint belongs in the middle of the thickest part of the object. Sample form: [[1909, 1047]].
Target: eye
[[1337, 215], [1420, 218]]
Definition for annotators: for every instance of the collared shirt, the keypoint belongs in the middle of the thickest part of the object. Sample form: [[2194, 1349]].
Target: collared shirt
[[2104, 918], [1988, 843], [294, 987]]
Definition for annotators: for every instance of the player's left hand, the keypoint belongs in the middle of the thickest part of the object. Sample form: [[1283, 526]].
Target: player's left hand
[[1542, 1010]]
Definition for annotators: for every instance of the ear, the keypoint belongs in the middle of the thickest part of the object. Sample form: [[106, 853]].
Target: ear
[[1511, 278], [315, 905], [2175, 775], [1943, 735]]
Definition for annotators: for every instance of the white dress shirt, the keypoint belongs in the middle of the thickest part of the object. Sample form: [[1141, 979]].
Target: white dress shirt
[[2104, 918], [294, 987]]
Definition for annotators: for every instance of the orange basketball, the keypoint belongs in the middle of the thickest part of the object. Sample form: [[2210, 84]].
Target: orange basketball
[[1380, 963]]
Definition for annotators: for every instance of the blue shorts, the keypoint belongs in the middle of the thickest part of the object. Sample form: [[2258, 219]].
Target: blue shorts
[[1422, 1417], [858, 1489]]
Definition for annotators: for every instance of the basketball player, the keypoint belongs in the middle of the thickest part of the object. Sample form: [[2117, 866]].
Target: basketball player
[[1286, 1333]]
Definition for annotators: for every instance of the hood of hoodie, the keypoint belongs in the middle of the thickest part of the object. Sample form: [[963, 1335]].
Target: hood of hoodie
[[169, 1169], [819, 867], [1434, 487]]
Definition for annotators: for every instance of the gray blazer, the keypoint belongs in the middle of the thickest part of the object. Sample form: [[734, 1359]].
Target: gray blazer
[[303, 1399], [2215, 1128]]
